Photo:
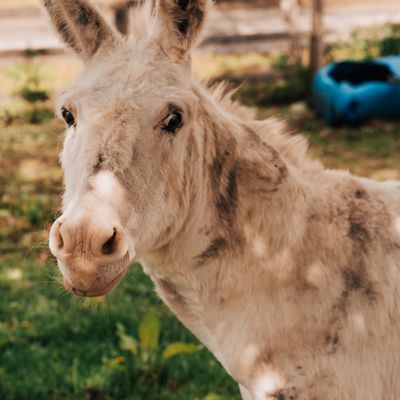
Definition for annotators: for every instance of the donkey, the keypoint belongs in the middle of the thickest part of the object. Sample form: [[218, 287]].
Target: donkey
[[289, 273]]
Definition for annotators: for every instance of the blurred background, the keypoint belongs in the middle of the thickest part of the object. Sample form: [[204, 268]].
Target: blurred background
[[127, 345]]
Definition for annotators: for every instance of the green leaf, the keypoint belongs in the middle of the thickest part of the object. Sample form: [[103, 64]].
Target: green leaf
[[149, 331], [179, 348], [126, 342]]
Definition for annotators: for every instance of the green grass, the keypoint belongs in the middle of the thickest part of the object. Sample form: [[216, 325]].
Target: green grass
[[54, 346]]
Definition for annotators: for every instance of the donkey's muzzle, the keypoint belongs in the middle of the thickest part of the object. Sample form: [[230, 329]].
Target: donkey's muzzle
[[93, 255]]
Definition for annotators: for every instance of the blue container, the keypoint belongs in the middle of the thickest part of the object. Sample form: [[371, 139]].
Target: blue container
[[355, 92]]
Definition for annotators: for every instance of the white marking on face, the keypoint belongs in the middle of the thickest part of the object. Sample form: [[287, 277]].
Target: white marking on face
[[106, 187]]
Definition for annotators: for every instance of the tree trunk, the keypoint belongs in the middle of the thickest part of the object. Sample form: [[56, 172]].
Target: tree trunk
[[291, 10]]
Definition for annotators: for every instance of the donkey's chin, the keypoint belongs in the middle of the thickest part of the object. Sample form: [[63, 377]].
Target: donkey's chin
[[97, 284], [95, 291]]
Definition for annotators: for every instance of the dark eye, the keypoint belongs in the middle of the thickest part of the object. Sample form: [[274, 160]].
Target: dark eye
[[68, 117], [172, 123]]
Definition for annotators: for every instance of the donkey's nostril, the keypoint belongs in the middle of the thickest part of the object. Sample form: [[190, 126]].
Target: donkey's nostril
[[109, 246]]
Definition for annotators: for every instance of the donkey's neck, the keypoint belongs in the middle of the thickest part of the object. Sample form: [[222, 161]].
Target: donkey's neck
[[247, 198], [240, 185]]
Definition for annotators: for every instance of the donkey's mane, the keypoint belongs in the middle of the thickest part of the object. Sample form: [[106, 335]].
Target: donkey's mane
[[292, 146], [142, 21]]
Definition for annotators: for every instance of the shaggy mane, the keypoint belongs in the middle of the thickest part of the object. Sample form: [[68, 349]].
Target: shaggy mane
[[292, 146], [142, 21]]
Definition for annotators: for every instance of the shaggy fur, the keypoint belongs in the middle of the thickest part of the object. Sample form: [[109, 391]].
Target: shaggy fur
[[289, 273]]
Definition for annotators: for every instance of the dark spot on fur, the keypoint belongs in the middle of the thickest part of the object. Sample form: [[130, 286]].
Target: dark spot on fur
[[214, 250], [358, 219], [358, 231], [288, 394], [218, 165], [351, 280], [282, 396], [223, 177], [183, 26], [101, 158], [183, 4], [355, 282], [361, 194], [198, 14], [84, 17], [227, 200], [332, 342]]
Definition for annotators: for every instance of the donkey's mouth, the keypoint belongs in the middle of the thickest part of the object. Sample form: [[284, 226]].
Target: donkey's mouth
[[96, 291]]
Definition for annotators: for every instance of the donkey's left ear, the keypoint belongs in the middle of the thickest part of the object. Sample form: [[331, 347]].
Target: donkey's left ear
[[182, 22], [80, 26]]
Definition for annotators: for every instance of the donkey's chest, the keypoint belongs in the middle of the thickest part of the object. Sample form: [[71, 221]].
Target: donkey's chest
[[273, 345], [186, 305]]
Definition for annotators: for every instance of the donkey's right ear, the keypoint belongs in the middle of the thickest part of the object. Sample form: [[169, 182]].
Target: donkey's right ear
[[80, 26], [182, 22]]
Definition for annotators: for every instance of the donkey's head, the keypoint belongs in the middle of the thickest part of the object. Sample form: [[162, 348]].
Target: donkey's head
[[129, 118]]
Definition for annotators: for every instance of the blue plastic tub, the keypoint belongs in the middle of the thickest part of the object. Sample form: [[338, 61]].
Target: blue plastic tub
[[354, 92]]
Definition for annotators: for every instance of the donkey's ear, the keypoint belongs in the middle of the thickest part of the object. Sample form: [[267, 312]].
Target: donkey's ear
[[80, 26], [183, 21]]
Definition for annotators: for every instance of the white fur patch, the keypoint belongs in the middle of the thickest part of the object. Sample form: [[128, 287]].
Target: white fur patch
[[359, 323], [106, 186], [249, 356], [259, 247], [268, 383]]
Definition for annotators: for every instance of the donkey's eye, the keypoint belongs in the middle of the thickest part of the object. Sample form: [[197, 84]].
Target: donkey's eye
[[68, 117], [172, 123]]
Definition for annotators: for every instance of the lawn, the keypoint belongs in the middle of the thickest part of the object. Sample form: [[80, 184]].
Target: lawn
[[53, 346]]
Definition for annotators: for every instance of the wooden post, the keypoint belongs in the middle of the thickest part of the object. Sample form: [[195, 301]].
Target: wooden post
[[316, 45], [291, 11]]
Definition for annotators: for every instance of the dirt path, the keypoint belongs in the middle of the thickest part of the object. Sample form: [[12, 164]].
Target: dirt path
[[229, 29]]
